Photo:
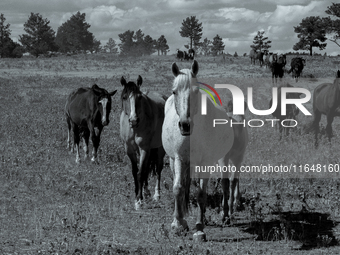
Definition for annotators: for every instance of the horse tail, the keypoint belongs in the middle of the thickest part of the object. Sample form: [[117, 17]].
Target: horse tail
[[153, 161]]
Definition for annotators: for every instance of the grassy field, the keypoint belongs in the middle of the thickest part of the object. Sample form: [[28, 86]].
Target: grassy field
[[51, 205]]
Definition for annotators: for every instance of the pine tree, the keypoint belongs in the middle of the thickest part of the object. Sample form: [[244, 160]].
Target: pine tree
[[333, 25], [5, 39], [73, 35], [40, 36], [217, 45], [261, 42], [111, 46], [192, 29], [311, 32], [206, 46], [149, 45], [127, 43], [162, 45]]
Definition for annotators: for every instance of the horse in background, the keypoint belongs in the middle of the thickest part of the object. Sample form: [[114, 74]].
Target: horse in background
[[141, 124], [296, 67], [190, 140], [180, 54], [278, 67], [253, 56], [326, 100]]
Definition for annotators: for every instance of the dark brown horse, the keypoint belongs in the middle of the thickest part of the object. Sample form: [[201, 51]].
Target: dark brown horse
[[87, 112], [141, 124], [326, 100]]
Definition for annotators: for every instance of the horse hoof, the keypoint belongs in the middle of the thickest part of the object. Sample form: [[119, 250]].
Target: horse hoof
[[94, 161], [226, 221], [78, 160], [147, 193], [176, 224], [138, 205], [156, 198], [200, 236], [199, 227]]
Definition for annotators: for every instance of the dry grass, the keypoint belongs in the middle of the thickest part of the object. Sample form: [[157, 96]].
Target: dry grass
[[50, 205]]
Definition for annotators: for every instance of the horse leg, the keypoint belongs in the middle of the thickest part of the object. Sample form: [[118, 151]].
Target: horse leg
[[159, 167], [330, 118], [201, 200], [317, 118], [181, 188], [76, 140], [95, 136], [225, 189], [280, 129], [69, 133], [234, 186], [142, 174], [86, 137], [133, 158]]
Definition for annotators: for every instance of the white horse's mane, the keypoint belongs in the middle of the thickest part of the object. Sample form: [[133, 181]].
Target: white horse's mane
[[183, 78]]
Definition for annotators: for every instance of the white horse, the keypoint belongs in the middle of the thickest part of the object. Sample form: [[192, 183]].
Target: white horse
[[190, 140]]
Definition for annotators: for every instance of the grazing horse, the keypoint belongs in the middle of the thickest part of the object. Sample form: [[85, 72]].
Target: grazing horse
[[191, 54], [267, 62], [141, 123], [186, 56], [291, 110], [190, 140], [272, 58], [259, 56], [326, 100], [297, 65], [180, 55], [87, 112], [253, 56]]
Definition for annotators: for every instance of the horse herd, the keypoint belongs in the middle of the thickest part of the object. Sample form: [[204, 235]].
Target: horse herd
[[277, 63], [184, 55], [152, 125]]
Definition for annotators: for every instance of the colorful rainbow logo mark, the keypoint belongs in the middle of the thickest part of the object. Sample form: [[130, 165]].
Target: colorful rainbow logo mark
[[209, 93]]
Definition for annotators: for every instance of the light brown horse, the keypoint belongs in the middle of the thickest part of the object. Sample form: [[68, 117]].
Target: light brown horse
[[141, 123]]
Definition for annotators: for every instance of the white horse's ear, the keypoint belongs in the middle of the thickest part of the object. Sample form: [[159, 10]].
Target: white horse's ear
[[122, 81], [194, 68], [175, 69], [139, 80]]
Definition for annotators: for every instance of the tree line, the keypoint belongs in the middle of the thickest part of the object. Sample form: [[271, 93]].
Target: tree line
[[73, 36], [312, 32]]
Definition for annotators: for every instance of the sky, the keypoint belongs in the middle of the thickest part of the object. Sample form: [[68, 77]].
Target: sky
[[236, 21]]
